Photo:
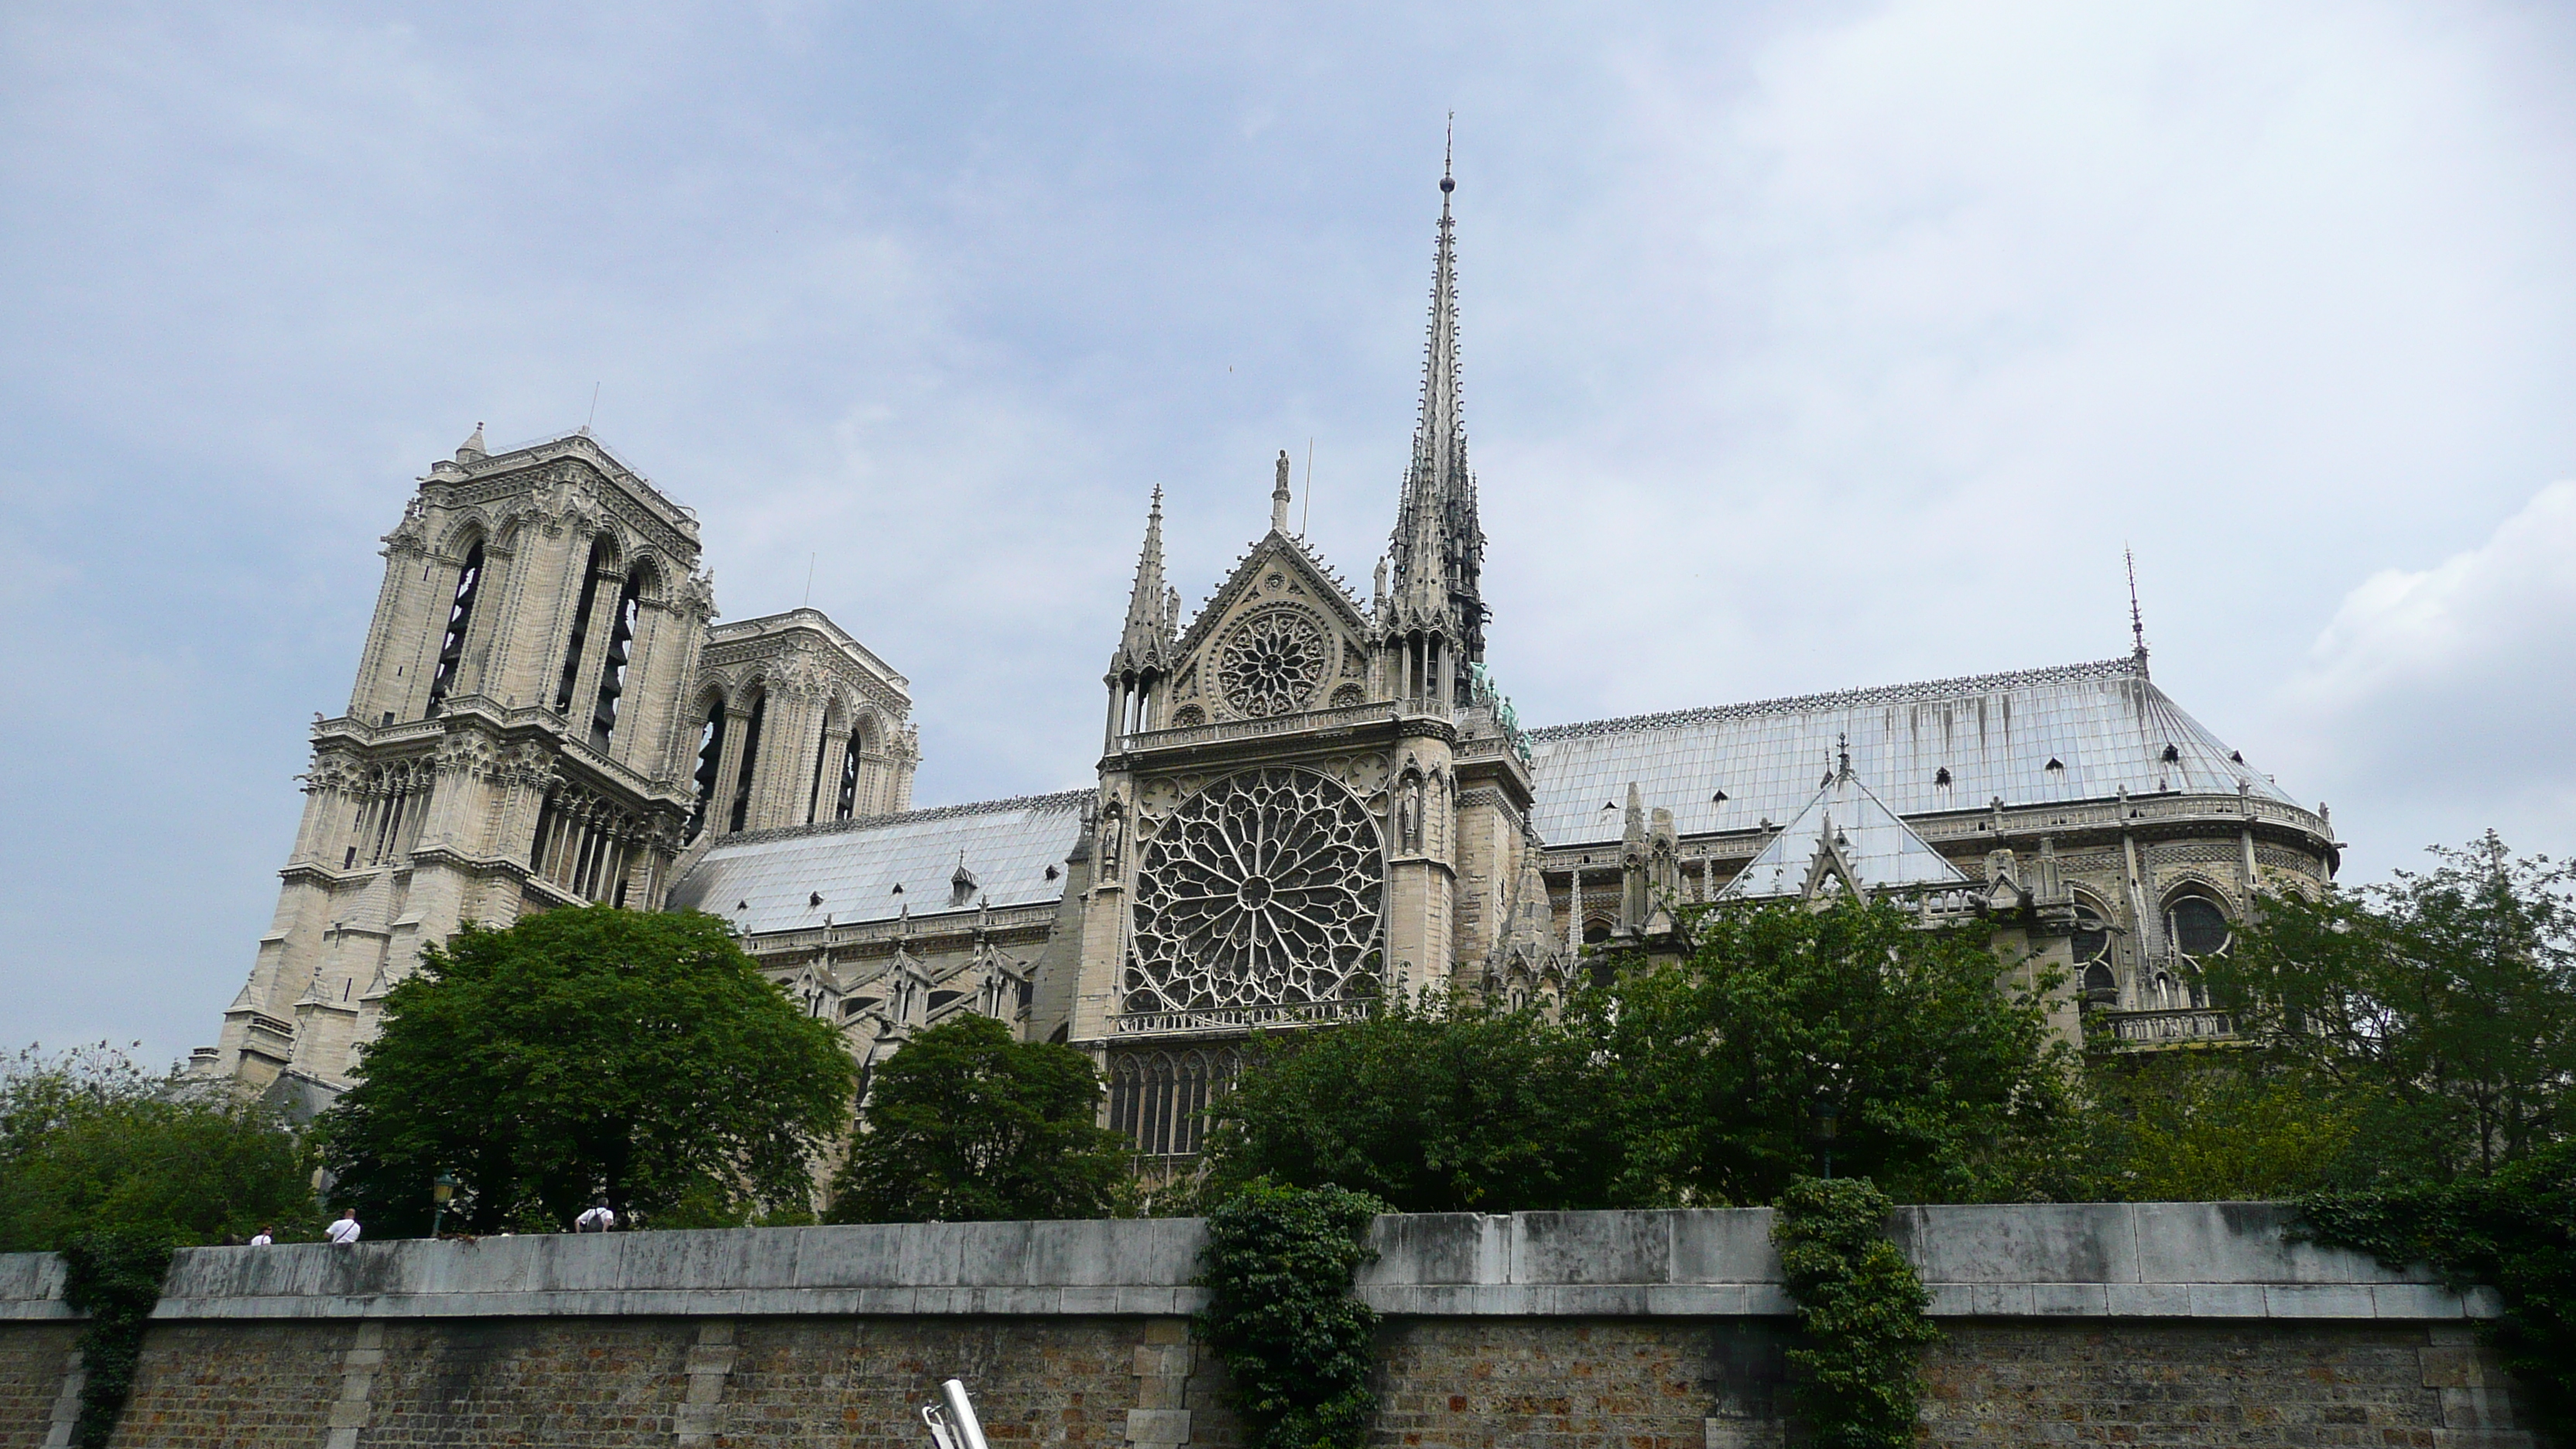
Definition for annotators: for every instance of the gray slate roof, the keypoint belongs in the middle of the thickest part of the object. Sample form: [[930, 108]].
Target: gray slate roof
[[2105, 724], [772, 875]]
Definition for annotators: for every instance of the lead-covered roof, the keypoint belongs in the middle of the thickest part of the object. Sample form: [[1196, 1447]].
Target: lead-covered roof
[[767, 881], [2076, 732]]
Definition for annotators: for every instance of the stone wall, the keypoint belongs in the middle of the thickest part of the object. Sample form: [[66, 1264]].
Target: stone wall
[[2180, 1324], [37, 1365]]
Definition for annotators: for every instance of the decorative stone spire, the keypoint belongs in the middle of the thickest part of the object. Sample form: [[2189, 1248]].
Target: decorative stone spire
[[471, 450], [1438, 546], [1145, 643]]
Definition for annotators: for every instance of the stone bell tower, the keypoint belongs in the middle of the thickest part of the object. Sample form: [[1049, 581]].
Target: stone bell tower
[[516, 741]]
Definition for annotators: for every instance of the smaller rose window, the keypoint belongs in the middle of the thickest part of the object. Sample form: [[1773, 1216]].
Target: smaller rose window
[[1272, 663]]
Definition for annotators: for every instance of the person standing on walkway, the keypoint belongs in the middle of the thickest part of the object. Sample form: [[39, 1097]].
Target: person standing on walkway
[[263, 1238], [345, 1231], [598, 1220]]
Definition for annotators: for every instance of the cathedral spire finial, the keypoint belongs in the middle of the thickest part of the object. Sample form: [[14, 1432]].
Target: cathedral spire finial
[[2137, 620], [1279, 496], [1142, 643], [1438, 547]]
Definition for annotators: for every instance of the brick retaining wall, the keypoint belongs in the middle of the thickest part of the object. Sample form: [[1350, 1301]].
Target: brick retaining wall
[[2182, 1325]]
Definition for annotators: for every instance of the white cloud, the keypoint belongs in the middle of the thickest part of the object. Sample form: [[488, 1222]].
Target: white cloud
[[2436, 703]]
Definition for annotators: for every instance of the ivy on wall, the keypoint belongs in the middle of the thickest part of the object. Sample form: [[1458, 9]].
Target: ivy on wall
[[2513, 1229], [1283, 1321], [114, 1275], [1860, 1315]]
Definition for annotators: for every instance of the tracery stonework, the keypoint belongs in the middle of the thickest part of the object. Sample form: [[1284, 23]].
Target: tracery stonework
[[1263, 889], [1273, 662]]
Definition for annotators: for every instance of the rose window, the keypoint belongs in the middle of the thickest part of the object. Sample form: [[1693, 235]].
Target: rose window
[[1262, 889], [1272, 663]]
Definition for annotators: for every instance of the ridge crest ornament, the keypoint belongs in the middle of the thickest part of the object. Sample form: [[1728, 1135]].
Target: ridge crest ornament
[[1263, 889], [1272, 662]]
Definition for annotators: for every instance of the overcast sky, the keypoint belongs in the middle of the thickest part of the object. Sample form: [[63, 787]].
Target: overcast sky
[[1807, 347]]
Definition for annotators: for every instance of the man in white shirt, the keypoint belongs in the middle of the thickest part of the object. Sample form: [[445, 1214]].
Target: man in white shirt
[[345, 1231], [598, 1220], [262, 1238]]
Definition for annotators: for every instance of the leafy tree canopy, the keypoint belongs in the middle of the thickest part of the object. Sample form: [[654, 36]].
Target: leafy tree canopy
[[1702, 1083], [2437, 1012], [587, 1051], [966, 1124], [2203, 1126], [1941, 1077], [1429, 1110], [90, 1143]]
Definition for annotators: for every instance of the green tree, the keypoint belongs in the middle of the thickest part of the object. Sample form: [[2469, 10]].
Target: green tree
[[2208, 1126], [1701, 1083], [586, 1051], [1440, 1109], [2438, 1009], [1942, 1079], [967, 1125], [89, 1143]]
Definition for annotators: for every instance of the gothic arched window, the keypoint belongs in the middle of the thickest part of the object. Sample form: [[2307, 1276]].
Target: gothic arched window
[[2197, 926], [460, 617], [612, 674], [822, 756], [849, 801], [750, 759], [710, 757], [1159, 1099], [590, 586]]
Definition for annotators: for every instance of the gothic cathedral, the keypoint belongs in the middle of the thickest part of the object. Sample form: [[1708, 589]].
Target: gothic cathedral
[[1306, 799]]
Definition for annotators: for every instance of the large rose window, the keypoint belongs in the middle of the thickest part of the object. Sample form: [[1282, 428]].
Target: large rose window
[[1272, 663], [1263, 889]]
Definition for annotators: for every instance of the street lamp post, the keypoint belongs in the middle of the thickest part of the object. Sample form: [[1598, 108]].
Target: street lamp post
[[440, 1192], [1825, 1115]]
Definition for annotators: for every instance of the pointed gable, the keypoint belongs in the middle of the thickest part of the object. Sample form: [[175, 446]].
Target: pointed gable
[[1302, 607], [1844, 839]]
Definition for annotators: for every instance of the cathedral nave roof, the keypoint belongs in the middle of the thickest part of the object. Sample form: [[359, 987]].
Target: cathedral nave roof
[[1012, 850], [2074, 732]]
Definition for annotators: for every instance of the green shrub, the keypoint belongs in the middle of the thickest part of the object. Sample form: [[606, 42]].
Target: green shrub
[[1860, 1315], [1284, 1323], [115, 1277]]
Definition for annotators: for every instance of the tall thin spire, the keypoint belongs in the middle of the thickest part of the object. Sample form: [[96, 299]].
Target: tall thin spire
[[1145, 640], [1438, 548], [2137, 620]]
